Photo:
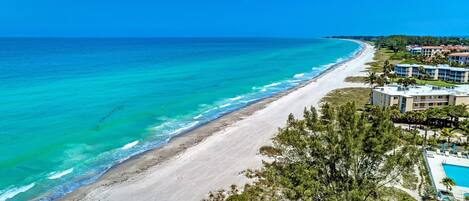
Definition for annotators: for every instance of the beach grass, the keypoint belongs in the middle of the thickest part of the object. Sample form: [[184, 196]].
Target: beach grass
[[355, 79], [389, 193], [409, 180], [342, 96], [438, 83], [381, 55]]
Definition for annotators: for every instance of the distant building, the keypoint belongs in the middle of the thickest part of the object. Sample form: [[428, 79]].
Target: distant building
[[460, 57], [457, 48], [419, 97], [439, 72], [430, 51], [415, 50]]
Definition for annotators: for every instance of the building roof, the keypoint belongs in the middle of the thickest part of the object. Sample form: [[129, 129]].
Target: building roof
[[441, 66], [433, 47], [460, 54], [423, 90], [457, 47]]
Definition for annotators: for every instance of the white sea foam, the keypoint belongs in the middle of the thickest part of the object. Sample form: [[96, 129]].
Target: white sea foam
[[130, 145], [12, 192], [225, 105], [263, 90], [56, 175], [299, 75], [293, 81], [273, 84], [198, 116], [235, 98], [339, 60], [209, 110], [248, 101], [189, 126]]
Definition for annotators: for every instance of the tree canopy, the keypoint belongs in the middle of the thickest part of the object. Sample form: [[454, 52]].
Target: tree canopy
[[340, 154]]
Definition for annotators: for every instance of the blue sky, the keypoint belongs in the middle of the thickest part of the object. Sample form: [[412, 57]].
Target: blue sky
[[231, 18]]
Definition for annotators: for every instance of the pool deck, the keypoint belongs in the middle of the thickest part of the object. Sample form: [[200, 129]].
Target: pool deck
[[435, 164]]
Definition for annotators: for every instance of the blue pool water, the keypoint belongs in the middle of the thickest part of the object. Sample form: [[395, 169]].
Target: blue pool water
[[459, 174]]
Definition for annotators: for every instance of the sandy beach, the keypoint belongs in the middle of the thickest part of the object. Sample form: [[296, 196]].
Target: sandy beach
[[211, 157]]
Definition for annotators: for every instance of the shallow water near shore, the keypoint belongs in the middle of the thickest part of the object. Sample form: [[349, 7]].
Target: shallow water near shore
[[72, 108]]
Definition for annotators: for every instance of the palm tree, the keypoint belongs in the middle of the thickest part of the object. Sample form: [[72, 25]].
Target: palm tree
[[425, 137], [406, 82], [387, 68], [448, 183], [423, 74], [457, 111], [371, 79], [381, 80], [411, 82], [446, 132]]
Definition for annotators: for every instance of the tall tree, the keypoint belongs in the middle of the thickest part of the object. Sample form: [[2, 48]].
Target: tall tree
[[387, 68], [371, 79], [447, 133], [340, 155]]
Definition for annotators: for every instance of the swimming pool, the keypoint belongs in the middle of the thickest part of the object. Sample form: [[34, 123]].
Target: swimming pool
[[459, 174]]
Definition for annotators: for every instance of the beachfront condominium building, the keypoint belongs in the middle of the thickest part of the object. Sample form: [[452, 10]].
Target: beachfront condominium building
[[419, 97], [460, 57], [414, 49], [439, 72], [430, 51]]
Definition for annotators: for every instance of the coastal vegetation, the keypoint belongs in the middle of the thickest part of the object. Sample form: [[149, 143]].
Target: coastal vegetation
[[389, 193], [399, 42], [342, 96], [340, 154], [355, 79], [448, 124], [448, 183], [381, 56], [392, 50]]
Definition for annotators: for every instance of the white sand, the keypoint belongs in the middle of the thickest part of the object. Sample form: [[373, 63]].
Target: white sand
[[217, 161]]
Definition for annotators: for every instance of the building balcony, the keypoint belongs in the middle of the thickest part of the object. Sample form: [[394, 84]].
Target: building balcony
[[430, 100]]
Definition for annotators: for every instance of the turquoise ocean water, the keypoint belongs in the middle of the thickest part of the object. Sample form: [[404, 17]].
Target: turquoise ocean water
[[72, 108]]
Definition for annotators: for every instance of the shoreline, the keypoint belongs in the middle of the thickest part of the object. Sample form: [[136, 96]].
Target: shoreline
[[147, 162]]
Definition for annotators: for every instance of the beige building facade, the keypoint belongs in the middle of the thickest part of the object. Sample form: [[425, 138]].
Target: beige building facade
[[419, 97]]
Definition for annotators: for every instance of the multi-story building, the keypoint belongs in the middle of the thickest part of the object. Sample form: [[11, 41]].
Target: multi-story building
[[414, 49], [430, 51], [439, 72], [460, 57], [457, 48], [419, 97]]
